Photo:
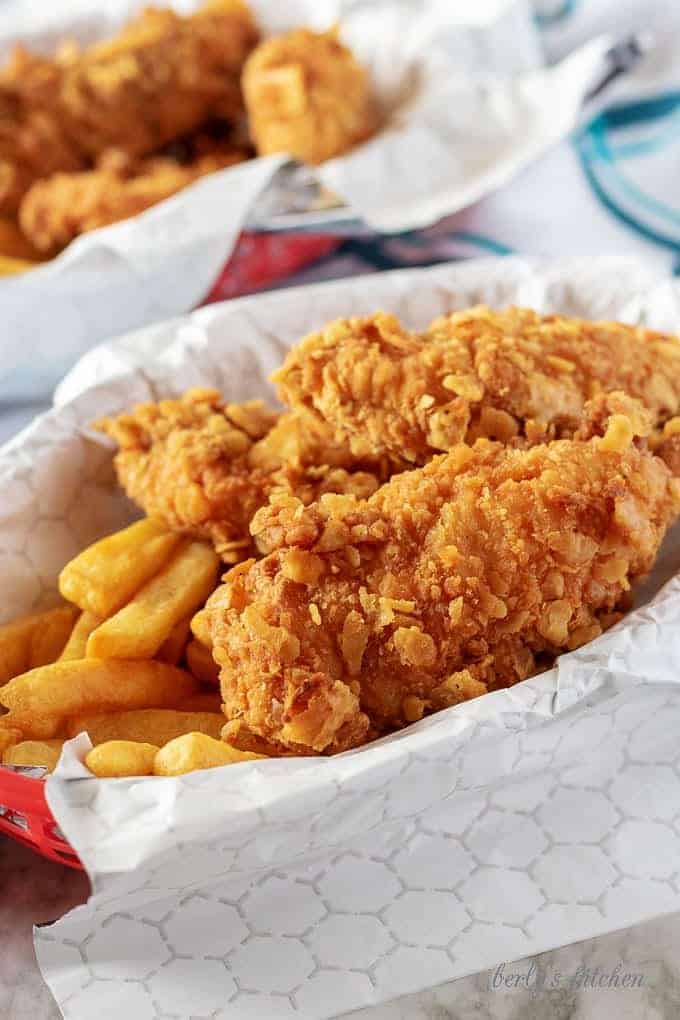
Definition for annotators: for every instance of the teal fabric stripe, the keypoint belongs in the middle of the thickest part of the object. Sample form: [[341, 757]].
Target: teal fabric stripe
[[545, 20], [603, 152], [598, 159], [426, 240]]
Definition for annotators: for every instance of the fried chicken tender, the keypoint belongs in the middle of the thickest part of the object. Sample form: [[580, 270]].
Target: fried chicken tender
[[511, 376], [14, 245], [161, 77], [56, 210], [204, 467], [306, 95], [33, 140], [464, 576], [666, 444]]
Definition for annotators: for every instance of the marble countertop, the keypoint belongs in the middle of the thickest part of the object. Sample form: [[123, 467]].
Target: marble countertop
[[35, 891]]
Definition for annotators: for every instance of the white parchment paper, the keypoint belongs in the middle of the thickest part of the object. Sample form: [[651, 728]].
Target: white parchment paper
[[467, 104], [524, 820]]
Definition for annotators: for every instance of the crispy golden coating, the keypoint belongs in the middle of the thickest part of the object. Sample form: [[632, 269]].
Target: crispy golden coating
[[185, 462], [14, 245], [466, 575], [160, 78], [666, 444], [33, 139], [205, 467], [510, 376], [57, 209], [306, 95], [307, 449]]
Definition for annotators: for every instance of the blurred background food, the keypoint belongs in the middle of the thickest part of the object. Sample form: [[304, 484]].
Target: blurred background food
[[90, 136]]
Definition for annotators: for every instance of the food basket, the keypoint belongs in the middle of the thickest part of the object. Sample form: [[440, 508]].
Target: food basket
[[502, 828], [26, 818]]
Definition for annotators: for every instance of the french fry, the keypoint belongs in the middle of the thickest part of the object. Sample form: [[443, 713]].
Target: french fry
[[155, 725], [106, 575], [139, 629], [173, 647], [77, 643], [33, 640], [200, 628], [117, 759], [204, 701], [43, 753], [39, 701], [9, 735], [197, 751], [201, 663], [51, 636]]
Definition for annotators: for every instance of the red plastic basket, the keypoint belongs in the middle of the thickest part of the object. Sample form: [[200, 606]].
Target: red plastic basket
[[260, 260], [26, 817]]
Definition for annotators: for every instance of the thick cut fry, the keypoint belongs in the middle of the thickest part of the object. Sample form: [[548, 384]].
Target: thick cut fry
[[77, 643], [107, 574], [33, 641], [51, 636], [153, 725], [139, 629], [201, 664], [9, 735], [40, 753], [197, 751], [173, 647], [40, 700], [118, 759]]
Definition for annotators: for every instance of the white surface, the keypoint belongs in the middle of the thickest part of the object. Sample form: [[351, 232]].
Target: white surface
[[526, 814], [37, 891]]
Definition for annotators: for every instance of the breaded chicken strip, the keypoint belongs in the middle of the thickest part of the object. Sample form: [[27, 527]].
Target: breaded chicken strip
[[56, 210], [160, 78], [33, 139], [467, 575], [666, 444], [499, 375], [204, 467], [307, 96]]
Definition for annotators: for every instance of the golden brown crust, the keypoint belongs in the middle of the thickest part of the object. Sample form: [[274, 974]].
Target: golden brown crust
[[666, 444], [204, 467], [160, 78], [469, 574], [510, 376], [56, 210], [307, 96], [185, 462]]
